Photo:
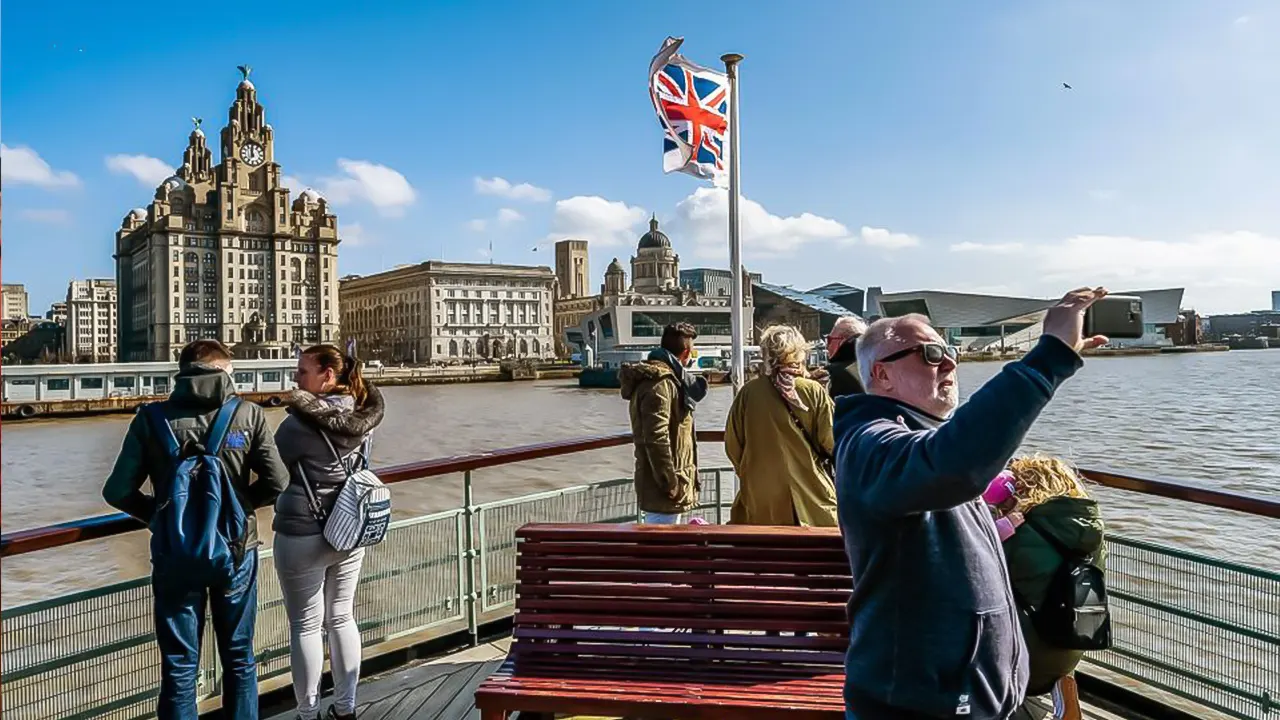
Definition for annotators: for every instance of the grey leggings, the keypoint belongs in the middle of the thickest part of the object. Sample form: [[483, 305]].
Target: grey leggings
[[319, 588]]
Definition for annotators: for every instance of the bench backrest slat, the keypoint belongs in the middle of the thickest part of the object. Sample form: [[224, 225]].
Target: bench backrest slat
[[682, 593]]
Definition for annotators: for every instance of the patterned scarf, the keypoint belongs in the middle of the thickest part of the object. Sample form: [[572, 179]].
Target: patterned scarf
[[784, 378]]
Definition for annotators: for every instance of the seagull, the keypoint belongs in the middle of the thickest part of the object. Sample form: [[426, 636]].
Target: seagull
[[1067, 87]]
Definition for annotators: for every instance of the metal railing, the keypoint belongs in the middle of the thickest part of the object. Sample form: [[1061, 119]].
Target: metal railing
[[1200, 628]]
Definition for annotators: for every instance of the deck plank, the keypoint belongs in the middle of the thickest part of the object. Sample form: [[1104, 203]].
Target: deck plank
[[444, 689]]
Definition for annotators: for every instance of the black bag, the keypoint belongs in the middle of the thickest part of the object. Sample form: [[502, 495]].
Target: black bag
[[1074, 613]]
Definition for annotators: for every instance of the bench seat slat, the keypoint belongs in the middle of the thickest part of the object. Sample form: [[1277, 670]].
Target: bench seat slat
[[676, 608], [798, 596], [742, 640], [739, 579], [832, 658], [722, 553]]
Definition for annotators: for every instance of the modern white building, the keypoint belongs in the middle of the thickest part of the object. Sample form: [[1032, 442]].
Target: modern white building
[[14, 301], [980, 322], [91, 321]]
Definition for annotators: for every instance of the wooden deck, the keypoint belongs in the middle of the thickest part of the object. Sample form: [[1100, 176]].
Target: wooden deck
[[442, 689]]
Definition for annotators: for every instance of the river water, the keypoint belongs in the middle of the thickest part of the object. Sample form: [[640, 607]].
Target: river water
[[1212, 418]]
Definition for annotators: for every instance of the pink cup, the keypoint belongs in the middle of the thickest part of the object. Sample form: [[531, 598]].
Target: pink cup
[[1000, 490]]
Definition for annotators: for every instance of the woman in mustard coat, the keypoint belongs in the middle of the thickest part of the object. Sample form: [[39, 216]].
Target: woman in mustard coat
[[778, 435]]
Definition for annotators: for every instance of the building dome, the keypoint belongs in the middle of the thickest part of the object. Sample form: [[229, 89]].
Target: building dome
[[174, 183], [615, 268], [246, 84], [655, 238], [136, 215], [310, 195]]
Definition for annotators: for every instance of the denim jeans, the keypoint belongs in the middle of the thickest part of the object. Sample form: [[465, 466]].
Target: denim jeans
[[179, 615], [651, 518]]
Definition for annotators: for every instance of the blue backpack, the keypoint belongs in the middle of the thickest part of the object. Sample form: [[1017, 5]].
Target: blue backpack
[[198, 516]]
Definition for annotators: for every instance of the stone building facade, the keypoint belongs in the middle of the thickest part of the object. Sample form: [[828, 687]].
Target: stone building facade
[[91, 321], [439, 312], [223, 252]]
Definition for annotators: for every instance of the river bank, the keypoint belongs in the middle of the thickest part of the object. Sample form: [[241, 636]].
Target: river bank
[[994, 356]]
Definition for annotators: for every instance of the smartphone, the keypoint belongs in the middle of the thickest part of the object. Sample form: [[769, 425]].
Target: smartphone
[[1115, 316]]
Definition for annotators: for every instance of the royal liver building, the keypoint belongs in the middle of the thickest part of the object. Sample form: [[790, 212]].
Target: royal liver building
[[222, 252]]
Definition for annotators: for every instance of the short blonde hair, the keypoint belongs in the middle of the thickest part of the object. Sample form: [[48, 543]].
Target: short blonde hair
[[782, 346], [1040, 478]]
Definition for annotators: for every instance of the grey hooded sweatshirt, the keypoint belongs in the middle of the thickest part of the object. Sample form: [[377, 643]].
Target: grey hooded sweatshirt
[[934, 630], [303, 450]]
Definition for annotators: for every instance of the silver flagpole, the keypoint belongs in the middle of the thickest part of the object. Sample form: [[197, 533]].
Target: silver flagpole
[[737, 368]]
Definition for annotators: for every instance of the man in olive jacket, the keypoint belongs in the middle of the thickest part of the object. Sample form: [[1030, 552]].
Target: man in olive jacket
[[203, 385], [662, 398]]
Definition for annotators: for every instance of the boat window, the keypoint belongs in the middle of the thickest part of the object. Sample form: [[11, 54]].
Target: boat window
[[244, 378], [23, 381], [606, 326], [59, 384], [271, 376], [91, 383], [122, 382], [651, 323], [161, 384]]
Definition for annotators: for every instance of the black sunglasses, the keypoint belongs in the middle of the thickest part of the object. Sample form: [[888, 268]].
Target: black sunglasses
[[933, 353]]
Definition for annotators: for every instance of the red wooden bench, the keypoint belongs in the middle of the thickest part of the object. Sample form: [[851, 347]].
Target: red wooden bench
[[700, 622]]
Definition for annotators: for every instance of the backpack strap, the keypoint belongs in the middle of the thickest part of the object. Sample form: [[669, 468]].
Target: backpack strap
[[221, 423], [160, 427]]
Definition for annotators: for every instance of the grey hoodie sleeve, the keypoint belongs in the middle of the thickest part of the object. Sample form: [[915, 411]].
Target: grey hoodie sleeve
[[897, 472]]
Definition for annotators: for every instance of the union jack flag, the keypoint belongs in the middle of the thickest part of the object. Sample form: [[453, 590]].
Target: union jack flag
[[692, 103]]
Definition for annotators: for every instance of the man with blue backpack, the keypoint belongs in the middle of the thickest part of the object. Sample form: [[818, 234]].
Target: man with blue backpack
[[200, 448]]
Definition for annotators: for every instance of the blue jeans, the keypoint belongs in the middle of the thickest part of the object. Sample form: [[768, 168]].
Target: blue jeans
[[179, 614]]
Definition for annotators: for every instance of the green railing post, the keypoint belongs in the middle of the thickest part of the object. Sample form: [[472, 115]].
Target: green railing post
[[472, 598], [719, 497]]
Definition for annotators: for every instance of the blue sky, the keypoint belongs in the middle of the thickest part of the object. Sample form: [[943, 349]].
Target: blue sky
[[907, 145]]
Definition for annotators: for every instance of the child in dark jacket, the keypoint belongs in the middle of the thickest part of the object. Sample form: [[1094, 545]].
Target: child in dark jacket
[[1041, 495]]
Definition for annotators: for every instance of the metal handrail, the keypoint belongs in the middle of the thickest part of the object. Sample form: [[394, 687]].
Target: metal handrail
[[102, 526]]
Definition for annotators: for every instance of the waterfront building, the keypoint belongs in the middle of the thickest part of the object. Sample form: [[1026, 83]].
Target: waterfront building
[[712, 282], [1250, 324], [441, 312], [812, 314], [1275, 301], [981, 322], [91, 320], [223, 252], [846, 296], [57, 312], [630, 317], [573, 299], [14, 301]]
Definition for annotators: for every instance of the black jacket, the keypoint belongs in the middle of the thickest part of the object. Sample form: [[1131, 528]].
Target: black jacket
[[198, 392], [934, 629], [842, 372]]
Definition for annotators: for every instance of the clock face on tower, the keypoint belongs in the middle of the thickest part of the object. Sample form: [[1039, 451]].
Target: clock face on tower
[[252, 154]]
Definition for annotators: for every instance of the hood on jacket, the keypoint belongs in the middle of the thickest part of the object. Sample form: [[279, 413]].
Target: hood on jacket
[[200, 385], [1074, 522], [632, 374], [338, 414]]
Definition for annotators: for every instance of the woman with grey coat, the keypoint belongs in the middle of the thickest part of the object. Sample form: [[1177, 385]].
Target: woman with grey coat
[[331, 417]]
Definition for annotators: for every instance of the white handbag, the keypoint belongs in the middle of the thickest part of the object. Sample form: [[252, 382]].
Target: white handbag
[[362, 512]]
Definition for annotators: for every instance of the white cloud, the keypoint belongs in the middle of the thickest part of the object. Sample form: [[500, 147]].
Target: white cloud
[[477, 225], [703, 219], [294, 183], [147, 170], [380, 186], [503, 188], [507, 216], [48, 216], [1007, 248], [886, 240], [1221, 271], [352, 234], [596, 220], [24, 166]]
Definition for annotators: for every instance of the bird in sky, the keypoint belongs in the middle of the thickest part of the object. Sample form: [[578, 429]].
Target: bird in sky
[[1067, 87]]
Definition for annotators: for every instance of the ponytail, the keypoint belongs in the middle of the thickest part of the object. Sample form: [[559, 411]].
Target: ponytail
[[346, 369], [352, 377]]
